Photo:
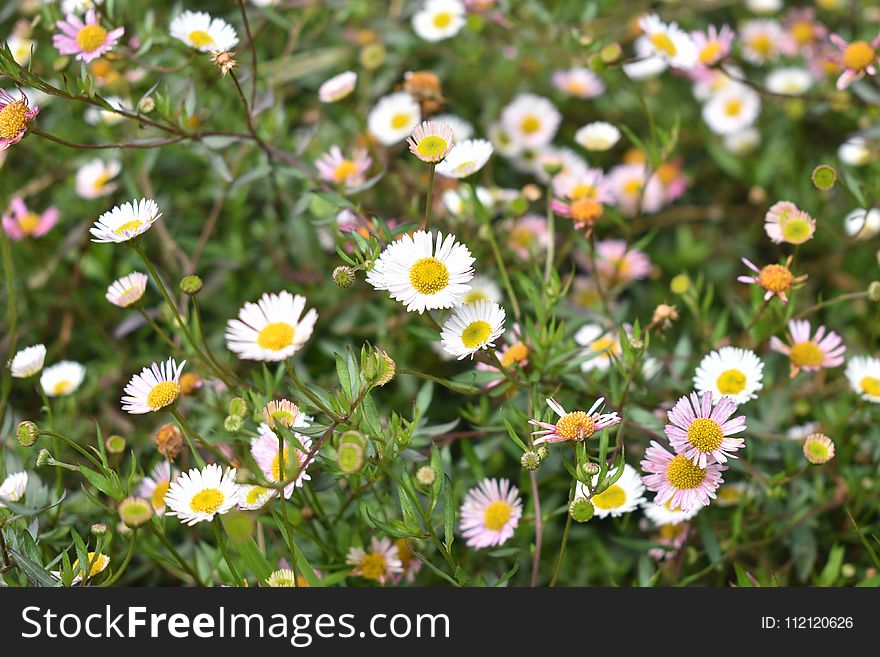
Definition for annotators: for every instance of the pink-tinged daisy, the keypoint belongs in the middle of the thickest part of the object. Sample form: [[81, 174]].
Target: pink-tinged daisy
[[671, 539], [156, 485], [701, 432], [858, 59], [634, 190], [803, 31], [431, 141], [14, 118], [22, 222], [617, 264], [713, 45], [583, 183], [676, 479], [761, 40], [264, 449], [775, 279], [127, 290], [810, 354], [576, 425], [379, 564], [154, 388], [527, 235], [785, 222], [337, 87], [334, 167], [673, 179], [85, 39], [578, 82], [490, 512], [818, 448]]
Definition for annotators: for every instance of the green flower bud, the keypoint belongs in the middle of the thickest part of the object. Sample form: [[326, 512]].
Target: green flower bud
[[27, 433], [99, 529], [135, 512], [350, 457], [43, 457], [543, 451], [115, 444], [874, 291], [824, 177], [233, 423], [344, 276], [191, 285], [680, 284], [581, 510], [239, 407], [530, 460], [611, 53]]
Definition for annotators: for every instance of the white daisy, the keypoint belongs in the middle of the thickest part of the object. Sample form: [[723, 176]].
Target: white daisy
[[530, 120], [422, 275], [473, 326], [623, 496], [661, 514], [125, 291], [669, 42], [730, 372], [790, 81], [647, 64], [28, 361], [198, 495], [154, 388], [600, 344], [255, 497], [198, 30], [337, 87], [124, 222], [439, 19], [264, 449], [742, 142], [431, 141], [93, 178], [154, 487], [760, 40], [862, 223], [854, 152], [732, 110], [461, 128], [99, 562], [20, 48], [97, 115], [62, 378], [597, 136], [465, 158], [13, 487], [483, 288], [458, 200], [273, 329], [863, 373], [578, 82], [393, 118]]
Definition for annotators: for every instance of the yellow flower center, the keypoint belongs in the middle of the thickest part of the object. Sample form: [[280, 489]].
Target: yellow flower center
[[128, 226], [705, 434], [605, 343], [345, 169], [496, 515], [761, 44], [582, 190], [802, 31], [817, 451], [91, 37], [514, 354], [521, 237], [373, 565], [729, 494], [99, 563], [207, 500], [611, 498], [575, 87], [276, 336], [663, 43], [575, 426], [710, 53], [129, 296], [399, 121], [585, 210], [442, 19], [683, 474], [731, 382], [404, 551], [475, 295], [200, 38], [29, 222], [62, 387], [13, 119], [254, 494], [429, 276], [858, 56], [775, 278], [667, 173], [671, 532], [101, 181], [633, 187], [870, 385], [530, 124], [276, 466], [163, 394], [806, 354], [733, 107], [432, 146], [475, 334], [158, 497], [796, 230]]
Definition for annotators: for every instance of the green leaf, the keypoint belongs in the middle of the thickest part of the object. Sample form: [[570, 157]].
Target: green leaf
[[33, 571], [254, 559], [102, 483], [448, 512]]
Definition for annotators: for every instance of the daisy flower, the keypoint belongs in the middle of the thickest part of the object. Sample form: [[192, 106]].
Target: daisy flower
[[597, 136], [28, 361], [93, 178], [799, 432], [818, 448], [431, 141], [154, 388], [526, 235], [862, 223], [466, 158], [789, 81], [22, 222], [858, 58], [807, 353], [424, 275], [530, 120], [579, 82], [128, 290], [338, 87], [669, 42], [617, 264], [634, 190], [334, 167], [394, 118], [273, 329], [730, 372], [623, 496], [154, 487], [679, 482], [264, 449], [775, 279], [701, 432], [863, 374], [761, 40], [85, 39], [62, 378], [125, 222], [15, 114], [785, 222], [198, 30], [13, 487], [742, 142], [284, 412], [671, 538], [732, 110], [21, 48], [585, 184], [713, 45], [380, 563], [602, 345], [576, 425], [439, 19], [462, 130], [647, 65], [490, 513], [483, 288], [98, 561], [662, 514], [252, 498], [199, 495], [472, 327], [854, 152]]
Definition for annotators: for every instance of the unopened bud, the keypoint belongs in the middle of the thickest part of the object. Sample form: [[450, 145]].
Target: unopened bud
[[169, 441], [581, 510], [543, 451], [874, 291], [238, 406], [680, 284], [350, 457], [115, 444], [389, 368], [135, 512], [146, 105], [43, 457], [99, 529], [27, 433], [191, 285], [344, 276], [426, 475], [530, 460], [610, 53], [233, 423]]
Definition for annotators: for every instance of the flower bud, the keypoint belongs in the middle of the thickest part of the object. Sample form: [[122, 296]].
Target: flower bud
[[530, 460], [581, 510], [135, 512], [350, 457], [388, 370], [99, 529], [372, 56], [146, 105], [191, 285], [824, 177], [611, 53], [874, 291], [233, 423], [27, 433], [43, 457], [680, 284], [543, 451], [238, 406], [426, 476], [115, 444], [344, 276]]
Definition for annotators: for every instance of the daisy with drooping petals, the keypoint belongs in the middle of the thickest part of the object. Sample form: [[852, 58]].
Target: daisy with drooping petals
[[431, 141], [602, 345], [380, 563], [273, 329], [818, 448], [576, 425], [785, 222], [669, 42], [671, 538], [198, 30], [154, 487], [252, 498], [776, 279], [732, 110], [662, 514], [199, 495], [62, 378], [761, 40], [702, 433], [713, 45], [128, 290], [789, 81], [579, 82], [99, 562], [338, 87], [394, 118], [93, 179], [13, 487], [334, 167], [154, 388], [15, 115], [125, 222], [617, 264], [858, 58], [22, 222], [466, 158], [863, 374], [490, 513], [472, 327], [85, 39], [730, 372], [679, 482], [423, 274], [264, 449], [597, 136], [531, 121], [623, 496], [807, 353], [28, 361], [439, 19]]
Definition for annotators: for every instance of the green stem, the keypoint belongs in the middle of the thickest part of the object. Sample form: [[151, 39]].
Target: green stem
[[174, 553], [564, 538], [11, 320], [430, 195], [192, 437], [221, 540], [312, 397], [125, 561], [56, 445], [162, 334], [851, 296], [551, 237], [288, 527]]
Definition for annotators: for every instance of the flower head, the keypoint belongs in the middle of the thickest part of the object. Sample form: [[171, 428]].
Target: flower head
[[200, 494], [472, 327], [576, 426], [761, 40], [253, 498], [199, 30], [93, 179], [623, 496], [603, 346], [597, 136], [490, 513], [62, 378], [775, 279], [28, 361], [351, 172], [678, 481], [818, 448], [730, 372], [662, 514], [284, 412], [22, 222], [394, 118], [15, 115], [703, 433], [785, 222], [617, 263], [273, 329], [289, 466], [863, 374], [713, 45], [466, 158], [526, 235], [530, 121], [732, 110], [858, 58], [13, 487], [578, 82], [86, 39], [155, 388], [128, 290], [669, 42], [439, 19], [379, 564], [431, 141], [154, 486], [125, 222], [807, 353], [338, 87]]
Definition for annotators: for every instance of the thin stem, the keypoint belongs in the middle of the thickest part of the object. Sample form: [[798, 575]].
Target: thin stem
[[56, 445], [192, 436], [11, 320], [551, 237], [851, 296], [162, 334], [125, 561], [539, 527], [221, 540], [757, 316], [564, 542], [156, 143], [312, 397], [174, 553], [288, 527], [430, 195], [253, 48]]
